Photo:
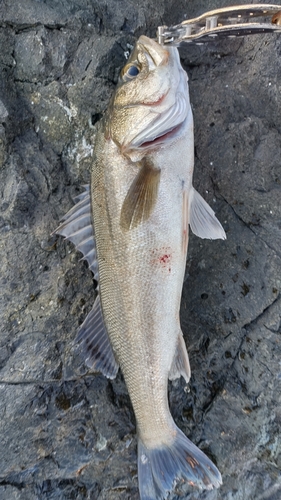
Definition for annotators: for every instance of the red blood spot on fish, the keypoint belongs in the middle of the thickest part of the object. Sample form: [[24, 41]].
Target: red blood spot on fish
[[164, 259], [162, 256]]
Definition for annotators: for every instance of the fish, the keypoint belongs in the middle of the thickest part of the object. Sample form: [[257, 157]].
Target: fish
[[131, 224]]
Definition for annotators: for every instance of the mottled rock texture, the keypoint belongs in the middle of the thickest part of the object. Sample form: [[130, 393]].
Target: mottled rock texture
[[69, 434]]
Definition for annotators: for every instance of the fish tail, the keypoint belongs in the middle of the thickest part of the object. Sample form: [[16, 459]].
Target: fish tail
[[161, 469]]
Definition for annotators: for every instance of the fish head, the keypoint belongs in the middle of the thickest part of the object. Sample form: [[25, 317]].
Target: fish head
[[151, 102]]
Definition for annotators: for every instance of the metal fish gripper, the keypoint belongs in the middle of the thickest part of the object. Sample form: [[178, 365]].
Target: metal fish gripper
[[237, 20]]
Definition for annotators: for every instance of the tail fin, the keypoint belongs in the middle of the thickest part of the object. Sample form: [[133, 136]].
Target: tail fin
[[161, 469]]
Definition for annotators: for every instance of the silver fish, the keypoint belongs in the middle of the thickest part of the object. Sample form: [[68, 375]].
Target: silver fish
[[131, 225]]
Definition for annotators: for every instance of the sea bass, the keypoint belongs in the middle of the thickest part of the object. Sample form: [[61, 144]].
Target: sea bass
[[131, 224]]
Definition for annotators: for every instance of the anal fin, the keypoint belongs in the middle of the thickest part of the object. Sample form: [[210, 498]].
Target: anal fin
[[180, 365], [94, 339]]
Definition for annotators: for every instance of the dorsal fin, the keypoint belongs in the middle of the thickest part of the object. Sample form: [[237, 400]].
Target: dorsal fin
[[77, 227], [95, 343]]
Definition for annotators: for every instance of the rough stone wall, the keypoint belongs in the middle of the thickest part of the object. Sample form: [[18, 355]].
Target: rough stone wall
[[69, 434]]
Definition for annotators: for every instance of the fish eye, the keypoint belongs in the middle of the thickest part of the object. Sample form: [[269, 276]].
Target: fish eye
[[130, 72]]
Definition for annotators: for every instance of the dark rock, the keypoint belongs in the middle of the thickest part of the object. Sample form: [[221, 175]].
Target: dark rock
[[66, 433]]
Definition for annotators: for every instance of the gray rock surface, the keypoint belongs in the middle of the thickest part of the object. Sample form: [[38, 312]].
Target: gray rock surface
[[69, 434]]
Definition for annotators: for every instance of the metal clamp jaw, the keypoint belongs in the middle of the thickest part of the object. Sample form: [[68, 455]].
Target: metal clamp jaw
[[227, 22]]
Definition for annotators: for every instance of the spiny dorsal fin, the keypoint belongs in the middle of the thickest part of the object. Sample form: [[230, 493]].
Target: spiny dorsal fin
[[180, 365], [203, 221], [77, 227], [141, 197], [95, 343]]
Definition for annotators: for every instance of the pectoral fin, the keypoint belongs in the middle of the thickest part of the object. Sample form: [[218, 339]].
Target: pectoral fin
[[203, 221], [141, 197], [180, 365]]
